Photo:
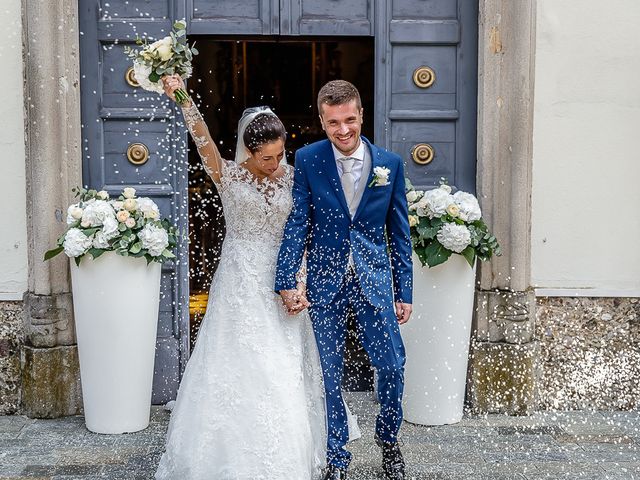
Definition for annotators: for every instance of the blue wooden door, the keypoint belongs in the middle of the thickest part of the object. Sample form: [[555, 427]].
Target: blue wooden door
[[118, 118], [425, 96], [426, 87]]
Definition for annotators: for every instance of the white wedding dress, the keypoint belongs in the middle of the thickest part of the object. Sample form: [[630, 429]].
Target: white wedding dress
[[251, 402]]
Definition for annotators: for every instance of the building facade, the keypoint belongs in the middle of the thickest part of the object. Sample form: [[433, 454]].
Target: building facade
[[529, 107]]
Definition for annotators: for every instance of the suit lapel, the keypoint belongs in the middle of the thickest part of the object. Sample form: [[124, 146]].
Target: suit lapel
[[331, 170], [375, 161]]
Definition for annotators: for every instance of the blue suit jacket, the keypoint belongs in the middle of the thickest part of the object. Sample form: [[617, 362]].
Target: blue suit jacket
[[378, 235]]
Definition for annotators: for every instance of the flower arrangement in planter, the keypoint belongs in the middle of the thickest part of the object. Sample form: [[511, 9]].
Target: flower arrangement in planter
[[443, 223], [130, 226]]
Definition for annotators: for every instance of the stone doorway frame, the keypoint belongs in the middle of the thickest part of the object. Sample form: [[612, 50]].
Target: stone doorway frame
[[505, 301]]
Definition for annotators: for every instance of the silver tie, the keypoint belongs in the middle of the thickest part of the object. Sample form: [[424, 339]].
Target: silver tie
[[347, 179]]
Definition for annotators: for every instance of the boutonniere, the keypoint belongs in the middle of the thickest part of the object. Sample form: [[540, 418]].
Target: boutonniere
[[380, 177]]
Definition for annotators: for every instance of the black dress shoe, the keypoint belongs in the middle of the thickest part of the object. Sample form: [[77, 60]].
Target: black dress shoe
[[335, 473], [392, 461]]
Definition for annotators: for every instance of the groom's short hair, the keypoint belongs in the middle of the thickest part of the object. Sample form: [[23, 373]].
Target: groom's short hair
[[338, 92]]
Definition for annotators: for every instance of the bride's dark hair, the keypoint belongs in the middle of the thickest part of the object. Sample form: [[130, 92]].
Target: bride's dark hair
[[263, 129]]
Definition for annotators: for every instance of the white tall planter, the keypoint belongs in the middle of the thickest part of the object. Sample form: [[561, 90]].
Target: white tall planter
[[116, 302], [437, 342]]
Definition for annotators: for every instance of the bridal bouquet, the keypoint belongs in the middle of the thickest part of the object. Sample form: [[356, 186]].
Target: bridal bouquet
[[130, 226], [166, 56], [443, 223]]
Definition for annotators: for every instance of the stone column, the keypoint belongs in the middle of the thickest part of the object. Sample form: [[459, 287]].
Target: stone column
[[50, 372], [504, 353]]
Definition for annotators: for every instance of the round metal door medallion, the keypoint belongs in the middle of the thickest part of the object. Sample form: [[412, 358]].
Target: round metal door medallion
[[422, 153], [138, 153], [424, 77]]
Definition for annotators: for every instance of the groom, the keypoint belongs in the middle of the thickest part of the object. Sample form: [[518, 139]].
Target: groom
[[350, 215]]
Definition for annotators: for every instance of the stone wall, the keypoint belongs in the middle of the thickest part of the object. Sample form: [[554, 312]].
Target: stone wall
[[589, 352], [11, 341]]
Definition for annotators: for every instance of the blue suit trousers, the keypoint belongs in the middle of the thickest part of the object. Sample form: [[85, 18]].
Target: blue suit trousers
[[379, 333]]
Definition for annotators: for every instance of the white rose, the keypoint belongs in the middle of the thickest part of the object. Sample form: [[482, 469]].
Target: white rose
[[142, 72], [96, 212], [74, 213], [153, 238], [163, 47], [129, 192], [382, 175], [469, 206], [412, 196], [130, 204], [117, 204], [148, 207], [130, 222], [103, 195], [122, 216], [413, 220], [454, 237], [446, 188], [453, 210], [434, 203], [76, 243]]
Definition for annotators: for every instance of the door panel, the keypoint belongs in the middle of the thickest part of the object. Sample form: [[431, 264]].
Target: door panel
[[115, 115], [424, 9], [441, 35], [243, 17], [328, 17]]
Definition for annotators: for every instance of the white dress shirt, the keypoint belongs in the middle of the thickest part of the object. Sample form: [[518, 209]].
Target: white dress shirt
[[356, 171]]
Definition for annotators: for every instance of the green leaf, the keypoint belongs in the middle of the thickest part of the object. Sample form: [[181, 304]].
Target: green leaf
[[77, 260], [154, 77], [52, 253], [96, 252], [436, 254], [167, 254], [135, 248], [90, 231], [470, 254], [194, 51]]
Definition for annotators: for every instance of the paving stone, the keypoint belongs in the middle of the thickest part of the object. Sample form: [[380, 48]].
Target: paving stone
[[550, 445]]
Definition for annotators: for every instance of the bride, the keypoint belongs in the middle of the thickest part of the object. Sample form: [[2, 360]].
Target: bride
[[250, 404]]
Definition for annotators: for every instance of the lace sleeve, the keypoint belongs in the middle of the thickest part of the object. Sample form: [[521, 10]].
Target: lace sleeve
[[209, 154], [301, 276]]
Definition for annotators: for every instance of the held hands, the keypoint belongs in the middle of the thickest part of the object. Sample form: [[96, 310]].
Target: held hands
[[295, 301], [171, 83], [403, 312]]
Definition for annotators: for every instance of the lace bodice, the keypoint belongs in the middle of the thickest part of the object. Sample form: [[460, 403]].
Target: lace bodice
[[255, 210]]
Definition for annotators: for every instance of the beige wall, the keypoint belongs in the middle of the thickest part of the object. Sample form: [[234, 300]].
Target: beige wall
[[13, 232], [586, 157]]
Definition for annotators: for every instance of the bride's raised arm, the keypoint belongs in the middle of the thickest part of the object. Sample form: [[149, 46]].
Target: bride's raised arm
[[207, 149]]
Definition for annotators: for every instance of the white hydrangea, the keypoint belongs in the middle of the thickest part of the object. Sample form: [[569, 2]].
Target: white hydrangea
[[76, 243], [96, 212], [148, 208], [142, 72], [469, 207], [109, 231], [154, 238], [454, 237], [434, 203]]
